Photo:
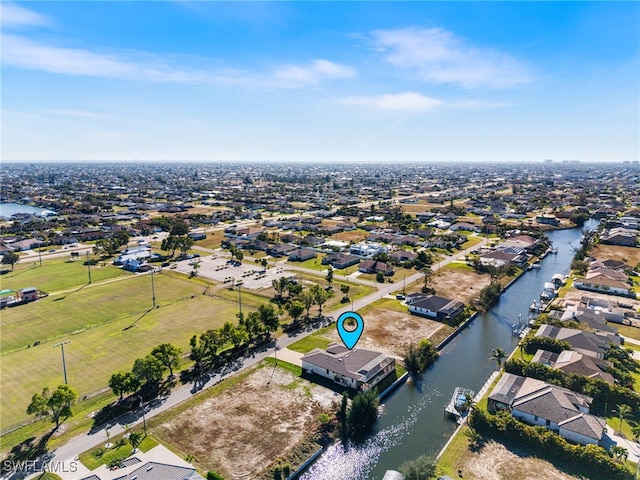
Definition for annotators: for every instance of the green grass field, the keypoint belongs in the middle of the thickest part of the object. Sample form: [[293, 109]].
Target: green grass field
[[57, 276], [59, 315], [94, 354]]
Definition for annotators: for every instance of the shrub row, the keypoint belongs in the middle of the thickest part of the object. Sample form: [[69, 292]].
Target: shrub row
[[592, 461], [603, 393]]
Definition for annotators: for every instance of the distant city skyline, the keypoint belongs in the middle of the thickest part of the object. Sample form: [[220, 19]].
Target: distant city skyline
[[321, 81]]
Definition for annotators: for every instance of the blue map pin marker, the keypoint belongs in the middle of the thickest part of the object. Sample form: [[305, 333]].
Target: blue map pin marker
[[350, 337]]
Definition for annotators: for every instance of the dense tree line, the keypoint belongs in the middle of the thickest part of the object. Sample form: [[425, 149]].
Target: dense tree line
[[206, 347]]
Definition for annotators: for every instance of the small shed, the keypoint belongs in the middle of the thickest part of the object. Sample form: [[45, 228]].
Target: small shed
[[29, 294]]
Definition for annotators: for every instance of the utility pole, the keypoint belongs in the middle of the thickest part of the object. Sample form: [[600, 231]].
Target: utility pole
[[153, 290], [240, 299], [40, 255], [64, 365], [89, 266]]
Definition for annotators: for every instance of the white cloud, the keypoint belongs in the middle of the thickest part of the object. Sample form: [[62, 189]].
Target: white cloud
[[313, 72], [400, 102], [439, 56], [21, 52], [13, 15]]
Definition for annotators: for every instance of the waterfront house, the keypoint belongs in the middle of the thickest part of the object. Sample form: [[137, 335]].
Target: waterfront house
[[558, 409], [433, 306], [620, 236], [569, 361], [603, 282], [590, 344], [358, 369]]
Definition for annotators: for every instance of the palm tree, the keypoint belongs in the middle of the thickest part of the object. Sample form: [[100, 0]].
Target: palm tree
[[619, 453], [498, 355], [636, 432], [623, 413]]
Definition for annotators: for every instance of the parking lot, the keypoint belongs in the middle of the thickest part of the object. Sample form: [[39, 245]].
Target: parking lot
[[223, 270]]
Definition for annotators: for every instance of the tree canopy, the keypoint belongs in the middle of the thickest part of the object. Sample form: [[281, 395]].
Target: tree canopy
[[57, 404]]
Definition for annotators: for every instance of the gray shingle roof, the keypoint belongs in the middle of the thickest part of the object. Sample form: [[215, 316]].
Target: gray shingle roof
[[358, 363], [163, 471], [585, 424]]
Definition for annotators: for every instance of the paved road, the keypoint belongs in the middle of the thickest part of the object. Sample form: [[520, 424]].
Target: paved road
[[68, 452]]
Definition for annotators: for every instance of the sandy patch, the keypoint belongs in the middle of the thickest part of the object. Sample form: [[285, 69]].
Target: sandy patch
[[246, 427], [389, 332], [459, 284], [496, 462], [629, 255]]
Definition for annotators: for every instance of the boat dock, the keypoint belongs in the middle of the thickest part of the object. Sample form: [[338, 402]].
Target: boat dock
[[455, 407]]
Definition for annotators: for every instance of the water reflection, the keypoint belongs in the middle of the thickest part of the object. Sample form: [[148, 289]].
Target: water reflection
[[414, 423]]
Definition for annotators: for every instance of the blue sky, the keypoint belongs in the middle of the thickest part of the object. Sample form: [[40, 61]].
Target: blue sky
[[321, 81]]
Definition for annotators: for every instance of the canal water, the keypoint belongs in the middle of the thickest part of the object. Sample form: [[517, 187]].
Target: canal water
[[413, 423]]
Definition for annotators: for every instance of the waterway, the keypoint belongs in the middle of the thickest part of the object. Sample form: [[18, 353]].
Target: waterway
[[8, 209], [413, 423]]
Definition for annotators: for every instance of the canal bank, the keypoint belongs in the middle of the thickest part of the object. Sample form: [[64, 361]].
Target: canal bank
[[413, 423]]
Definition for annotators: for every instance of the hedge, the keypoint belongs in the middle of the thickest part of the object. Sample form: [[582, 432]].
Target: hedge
[[592, 461]]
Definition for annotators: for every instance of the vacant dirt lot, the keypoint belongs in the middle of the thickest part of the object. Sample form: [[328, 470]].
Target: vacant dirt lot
[[496, 462], [390, 332], [629, 255], [457, 283], [243, 429]]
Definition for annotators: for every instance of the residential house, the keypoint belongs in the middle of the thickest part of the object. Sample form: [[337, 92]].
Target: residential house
[[302, 254], [525, 242], [27, 244], [595, 319], [403, 256], [280, 249], [559, 409], [358, 369], [147, 471], [591, 344], [464, 226], [374, 266], [367, 249], [433, 306], [500, 257], [312, 241], [569, 361], [340, 260], [548, 220], [603, 282], [620, 236]]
